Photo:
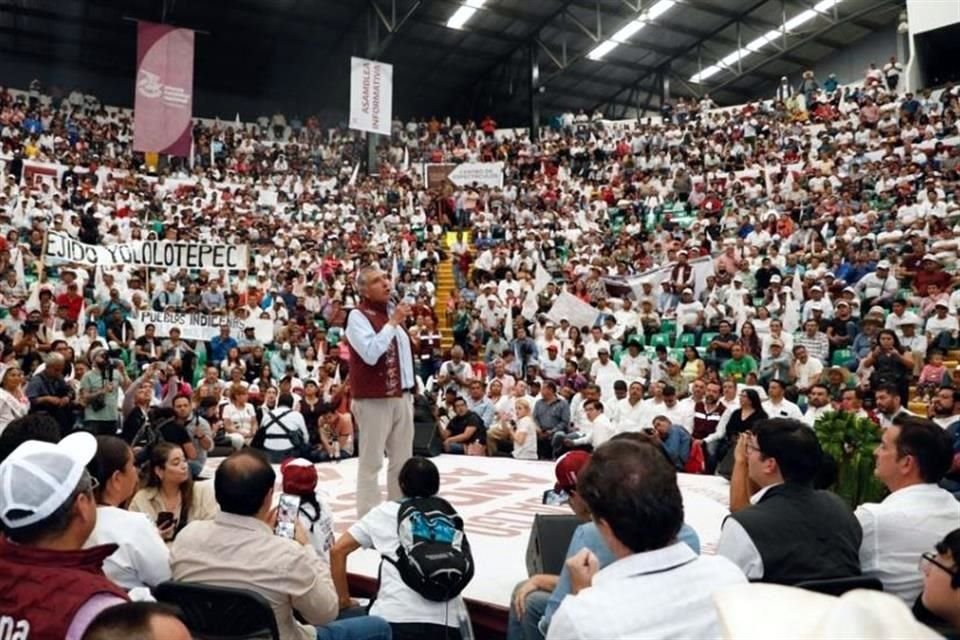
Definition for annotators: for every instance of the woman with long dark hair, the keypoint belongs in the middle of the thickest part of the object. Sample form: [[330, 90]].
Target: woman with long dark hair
[[891, 364], [169, 494], [142, 559], [740, 420], [750, 341]]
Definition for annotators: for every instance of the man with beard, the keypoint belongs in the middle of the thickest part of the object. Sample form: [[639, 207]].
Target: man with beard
[[944, 407]]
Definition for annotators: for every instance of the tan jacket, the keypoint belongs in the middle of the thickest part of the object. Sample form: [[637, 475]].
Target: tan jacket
[[203, 506], [242, 552]]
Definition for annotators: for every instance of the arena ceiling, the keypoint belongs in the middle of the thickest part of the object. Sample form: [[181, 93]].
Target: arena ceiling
[[292, 54]]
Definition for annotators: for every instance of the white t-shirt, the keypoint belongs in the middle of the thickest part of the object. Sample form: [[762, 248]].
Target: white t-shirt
[[243, 419], [142, 559], [527, 450], [396, 602]]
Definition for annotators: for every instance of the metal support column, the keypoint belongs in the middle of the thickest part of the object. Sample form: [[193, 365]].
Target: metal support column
[[533, 50], [372, 47]]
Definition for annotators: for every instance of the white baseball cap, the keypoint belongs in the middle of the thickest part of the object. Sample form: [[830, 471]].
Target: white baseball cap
[[759, 611], [39, 477]]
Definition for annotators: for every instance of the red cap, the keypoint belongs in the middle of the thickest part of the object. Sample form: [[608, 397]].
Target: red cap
[[299, 476], [568, 467]]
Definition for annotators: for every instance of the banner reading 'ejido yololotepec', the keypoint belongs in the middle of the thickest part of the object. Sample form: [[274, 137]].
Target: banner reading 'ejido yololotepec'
[[163, 105], [160, 254]]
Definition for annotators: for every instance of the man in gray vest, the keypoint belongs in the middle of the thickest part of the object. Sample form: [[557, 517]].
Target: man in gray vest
[[790, 532]]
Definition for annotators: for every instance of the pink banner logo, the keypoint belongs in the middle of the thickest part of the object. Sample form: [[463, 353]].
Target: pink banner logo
[[163, 105]]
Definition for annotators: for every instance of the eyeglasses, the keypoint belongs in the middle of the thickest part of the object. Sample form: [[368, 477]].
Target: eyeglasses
[[931, 559]]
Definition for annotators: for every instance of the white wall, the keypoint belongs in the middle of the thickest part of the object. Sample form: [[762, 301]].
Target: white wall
[[851, 63], [926, 15]]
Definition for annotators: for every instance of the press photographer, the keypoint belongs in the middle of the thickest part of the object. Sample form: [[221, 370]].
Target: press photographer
[[100, 392]]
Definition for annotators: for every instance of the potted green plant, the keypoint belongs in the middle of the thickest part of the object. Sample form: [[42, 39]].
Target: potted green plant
[[851, 440]]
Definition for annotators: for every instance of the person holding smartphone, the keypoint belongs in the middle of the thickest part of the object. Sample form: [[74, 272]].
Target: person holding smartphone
[[240, 548]]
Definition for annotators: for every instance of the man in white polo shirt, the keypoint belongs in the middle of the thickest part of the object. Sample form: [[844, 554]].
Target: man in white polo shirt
[[913, 456]]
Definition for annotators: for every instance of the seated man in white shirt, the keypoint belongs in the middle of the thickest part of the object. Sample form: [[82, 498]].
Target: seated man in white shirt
[[913, 456], [632, 493], [595, 431], [284, 433], [777, 406]]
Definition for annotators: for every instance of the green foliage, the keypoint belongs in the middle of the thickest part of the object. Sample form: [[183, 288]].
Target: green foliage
[[851, 440]]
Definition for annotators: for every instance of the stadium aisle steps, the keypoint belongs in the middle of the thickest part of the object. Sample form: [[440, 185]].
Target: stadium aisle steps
[[445, 284]]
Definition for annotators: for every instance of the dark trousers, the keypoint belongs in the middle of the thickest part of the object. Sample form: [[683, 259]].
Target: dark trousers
[[101, 427], [423, 631]]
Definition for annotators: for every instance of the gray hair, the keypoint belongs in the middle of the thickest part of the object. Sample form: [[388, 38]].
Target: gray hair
[[54, 359], [364, 275]]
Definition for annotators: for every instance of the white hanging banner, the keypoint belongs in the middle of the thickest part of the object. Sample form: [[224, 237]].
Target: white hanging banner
[[371, 95]]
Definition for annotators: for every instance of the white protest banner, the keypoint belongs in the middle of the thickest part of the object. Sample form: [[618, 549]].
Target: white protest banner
[[371, 95], [161, 254], [485, 174], [578, 312], [620, 286], [199, 326]]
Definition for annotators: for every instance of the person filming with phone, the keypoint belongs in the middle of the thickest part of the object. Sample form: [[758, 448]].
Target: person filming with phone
[[241, 548], [100, 392]]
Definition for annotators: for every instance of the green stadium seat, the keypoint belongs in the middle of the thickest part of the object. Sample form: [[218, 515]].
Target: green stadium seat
[[668, 326], [841, 357], [661, 340], [687, 340], [707, 337]]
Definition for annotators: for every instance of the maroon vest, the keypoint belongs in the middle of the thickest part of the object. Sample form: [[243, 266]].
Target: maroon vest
[[42, 590], [383, 379]]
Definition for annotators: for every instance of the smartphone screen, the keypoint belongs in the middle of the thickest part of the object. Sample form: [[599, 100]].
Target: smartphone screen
[[287, 513], [555, 498], [164, 517]]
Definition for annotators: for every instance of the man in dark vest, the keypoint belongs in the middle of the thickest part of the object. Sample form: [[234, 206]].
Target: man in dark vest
[[382, 384], [50, 586], [788, 532]]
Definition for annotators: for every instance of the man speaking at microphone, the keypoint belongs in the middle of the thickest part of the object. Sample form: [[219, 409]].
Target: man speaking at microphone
[[382, 384]]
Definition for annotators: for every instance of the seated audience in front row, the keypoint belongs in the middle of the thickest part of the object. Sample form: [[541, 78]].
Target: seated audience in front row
[[411, 616], [789, 532], [170, 490], [912, 457], [137, 621], [657, 586], [239, 549], [142, 559], [536, 599], [50, 586], [464, 428]]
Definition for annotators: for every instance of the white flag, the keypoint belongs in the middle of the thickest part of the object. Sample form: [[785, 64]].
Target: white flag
[[541, 278], [353, 176], [18, 268]]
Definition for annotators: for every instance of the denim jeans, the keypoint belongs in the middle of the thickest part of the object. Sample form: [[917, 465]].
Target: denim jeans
[[349, 626], [527, 628]]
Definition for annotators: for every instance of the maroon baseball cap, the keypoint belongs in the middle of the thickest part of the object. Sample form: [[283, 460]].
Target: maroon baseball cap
[[568, 468]]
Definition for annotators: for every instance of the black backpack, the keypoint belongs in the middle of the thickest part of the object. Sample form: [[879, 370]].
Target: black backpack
[[433, 557]]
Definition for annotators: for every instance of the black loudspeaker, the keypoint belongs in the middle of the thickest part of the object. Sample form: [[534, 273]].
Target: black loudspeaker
[[426, 441], [549, 539]]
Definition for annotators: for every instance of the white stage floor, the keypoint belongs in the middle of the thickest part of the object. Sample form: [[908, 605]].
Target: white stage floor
[[498, 498]]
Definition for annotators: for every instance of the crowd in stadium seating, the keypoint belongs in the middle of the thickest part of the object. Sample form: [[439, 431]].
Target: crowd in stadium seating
[[706, 285]]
